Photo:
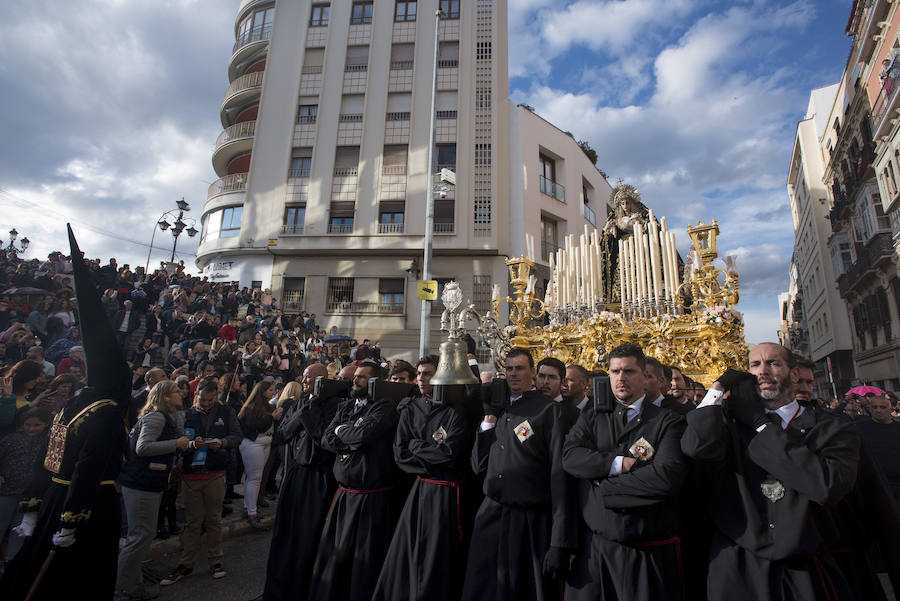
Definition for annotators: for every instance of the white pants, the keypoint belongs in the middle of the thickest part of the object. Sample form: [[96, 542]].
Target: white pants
[[254, 453]]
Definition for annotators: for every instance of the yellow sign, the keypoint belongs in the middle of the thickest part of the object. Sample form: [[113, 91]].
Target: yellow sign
[[427, 290], [273, 241]]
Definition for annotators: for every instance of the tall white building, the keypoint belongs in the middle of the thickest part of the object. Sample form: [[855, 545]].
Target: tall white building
[[323, 161], [821, 325]]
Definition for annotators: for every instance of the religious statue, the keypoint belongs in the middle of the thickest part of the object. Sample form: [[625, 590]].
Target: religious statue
[[628, 210]]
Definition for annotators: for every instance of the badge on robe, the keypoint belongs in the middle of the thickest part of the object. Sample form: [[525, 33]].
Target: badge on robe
[[524, 431], [642, 450], [440, 435], [358, 423], [772, 489]]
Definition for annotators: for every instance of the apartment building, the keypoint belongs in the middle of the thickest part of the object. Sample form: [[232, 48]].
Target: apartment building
[[323, 161], [815, 317]]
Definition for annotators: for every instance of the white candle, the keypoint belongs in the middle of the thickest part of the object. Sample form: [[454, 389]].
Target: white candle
[[639, 260], [622, 281], [529, 287], [495, 292], [676, 277], [667, 276]]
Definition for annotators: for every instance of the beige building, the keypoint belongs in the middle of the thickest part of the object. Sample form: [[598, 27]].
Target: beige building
[[861, 243], [818, 325], [323, 159]]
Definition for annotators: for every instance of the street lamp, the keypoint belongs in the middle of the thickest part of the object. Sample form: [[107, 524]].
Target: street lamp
[[11, 247], [178, 227]]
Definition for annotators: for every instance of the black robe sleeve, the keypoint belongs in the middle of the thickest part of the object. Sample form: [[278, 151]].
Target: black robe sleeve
[[581, 458], [706, 436], [563, 488], [481, 450], [417, 455]]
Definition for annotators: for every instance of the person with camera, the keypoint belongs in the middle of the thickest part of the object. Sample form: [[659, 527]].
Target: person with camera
[[154, 441], [628, 461], [525, 529], [213, 431], [433, 443], [362, 516], [776, 470]]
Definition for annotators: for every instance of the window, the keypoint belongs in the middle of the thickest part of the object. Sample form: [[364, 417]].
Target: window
[[340, 294], [307, 113], [444, 216], [319, 15], [300, 166], [405, 11], [292, 296], [390, 217], [390, 294], [450, 8], [294, 217], [362, 13], [340, 218], [549, 238], [549, 186], [402, 56], [448, 55], [445, 156], [346, 160], [548, 168], [437, 306], [231, 222], [357, 58], [256, 26]]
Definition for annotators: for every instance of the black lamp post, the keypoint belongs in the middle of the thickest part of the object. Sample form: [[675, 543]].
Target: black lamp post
[[178, 227], [23, 243]]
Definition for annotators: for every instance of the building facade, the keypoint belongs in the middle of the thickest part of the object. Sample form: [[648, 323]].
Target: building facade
[[323, 162], [861, 244], [815, 317]]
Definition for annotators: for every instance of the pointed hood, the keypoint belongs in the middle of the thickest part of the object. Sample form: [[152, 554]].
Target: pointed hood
[[108, 373]]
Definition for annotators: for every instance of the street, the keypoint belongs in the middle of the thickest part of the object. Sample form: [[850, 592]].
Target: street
[[245, 562]]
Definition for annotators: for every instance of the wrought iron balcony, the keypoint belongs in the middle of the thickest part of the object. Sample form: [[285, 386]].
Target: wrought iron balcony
[[292, 229], [365, 308], [236, 182], [878, 249], [551, 188]]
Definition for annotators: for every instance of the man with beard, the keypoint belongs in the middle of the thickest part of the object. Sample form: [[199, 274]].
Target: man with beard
[[630, 470], [361, 519], [775, 467], [803, 378], [306, 490], [433, 443], [525, 529]]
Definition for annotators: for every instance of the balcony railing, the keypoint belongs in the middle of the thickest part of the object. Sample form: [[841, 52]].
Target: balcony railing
[[840, 206], [351, 118], [235, 182], [397, 117], [590, 215], [889, 87], [304, 172], [245, 82], [401, 65], [292, 229], [445, 114], [448, 63], [245, 129], [256, 34], [389, 228], [372, 308], [551, 188], [393, 170], [340, 228], [346, 171], [880, 247], [444, 228], [354, 68]]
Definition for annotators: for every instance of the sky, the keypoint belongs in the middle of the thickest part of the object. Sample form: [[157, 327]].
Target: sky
[[110, 113]]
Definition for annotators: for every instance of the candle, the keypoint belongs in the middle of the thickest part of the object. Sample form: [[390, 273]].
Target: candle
[[529, 287], [639, 261], [676, 277], [622, 282], [495, 292], [667, 276]]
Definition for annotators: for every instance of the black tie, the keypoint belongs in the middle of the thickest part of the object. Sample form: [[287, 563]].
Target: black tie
[[775, 419], [622, 414]]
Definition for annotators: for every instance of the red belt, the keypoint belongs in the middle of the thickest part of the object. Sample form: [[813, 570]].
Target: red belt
[[828, 587], [662, 543], [353, 491], [452, 484]]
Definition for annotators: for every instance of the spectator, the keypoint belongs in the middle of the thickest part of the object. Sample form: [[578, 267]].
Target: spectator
[[256, 419], [65, 314], [882, 434], [403, 372], [19, 386], [61, 389], [125, 322], [154, 440], [213, 430], [147, 353], [75, 359], [176, 357], [60, 348], [36, 354]]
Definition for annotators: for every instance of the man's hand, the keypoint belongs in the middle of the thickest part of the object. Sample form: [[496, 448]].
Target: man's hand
[[627, 463], [731, 377], [64, 538], [26, 528], [748, 411], [556, 563]]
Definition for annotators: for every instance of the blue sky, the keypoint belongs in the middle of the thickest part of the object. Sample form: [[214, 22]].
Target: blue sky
[[113, 107]]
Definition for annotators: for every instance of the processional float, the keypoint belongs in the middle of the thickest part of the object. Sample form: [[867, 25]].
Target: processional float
[[624, 284]]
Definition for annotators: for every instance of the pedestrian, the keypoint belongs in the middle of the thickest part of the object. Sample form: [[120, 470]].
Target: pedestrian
[[256, 419], [153, 443], [213, 430]]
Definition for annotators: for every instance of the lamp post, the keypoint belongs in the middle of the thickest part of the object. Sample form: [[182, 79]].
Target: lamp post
[[11, 247], [178, 227], [425, 321]]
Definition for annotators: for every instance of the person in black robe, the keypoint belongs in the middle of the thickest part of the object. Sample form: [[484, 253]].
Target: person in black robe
[[306, 491], [363, 513], [630, 470], [525, 529], [72, 508], [776, 472], [433, 442]]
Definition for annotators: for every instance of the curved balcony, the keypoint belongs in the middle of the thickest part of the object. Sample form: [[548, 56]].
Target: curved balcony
[[249, 47], [242, 92], [248, 5], [235, 140], [236, 182]]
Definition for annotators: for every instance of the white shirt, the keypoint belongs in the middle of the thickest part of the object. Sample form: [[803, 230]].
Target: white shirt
[[582, 404], [123, 327], [659, 400], [787, 412]]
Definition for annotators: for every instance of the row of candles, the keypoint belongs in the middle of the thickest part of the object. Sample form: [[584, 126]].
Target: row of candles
[[648, 265]]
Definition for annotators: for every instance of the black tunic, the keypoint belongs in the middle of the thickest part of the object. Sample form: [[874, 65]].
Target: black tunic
[[633, 518], [774, 550], [424, 562], [530, 503], [81, 496], [306, 492], [362, 516]]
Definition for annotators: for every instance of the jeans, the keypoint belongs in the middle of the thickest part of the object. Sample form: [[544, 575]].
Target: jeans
[[254, 454], [203, 502], [141, 507]]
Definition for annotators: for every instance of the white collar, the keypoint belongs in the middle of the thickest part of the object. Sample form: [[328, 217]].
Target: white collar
[[582, 404], [788, 412], [659, 400], [635, 406], [558, 398]]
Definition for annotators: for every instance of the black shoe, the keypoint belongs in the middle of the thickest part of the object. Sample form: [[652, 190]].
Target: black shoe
[[177, 574], [217, 572], [162, 534], [226, 510], [255, 523], [263, 503], [233, 495]]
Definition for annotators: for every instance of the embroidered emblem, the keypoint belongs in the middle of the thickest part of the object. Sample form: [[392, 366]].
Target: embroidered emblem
[[440, 435], [772, 489], [358, 423], [344, 457], [524, 431], [642, 450]]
